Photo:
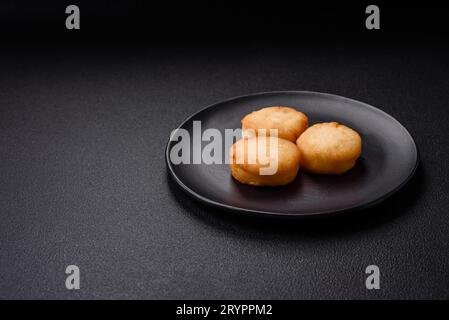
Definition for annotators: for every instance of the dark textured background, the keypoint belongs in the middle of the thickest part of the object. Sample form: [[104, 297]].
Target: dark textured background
[[83, 179]]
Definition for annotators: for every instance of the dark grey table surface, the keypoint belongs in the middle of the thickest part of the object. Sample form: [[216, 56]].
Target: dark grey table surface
[[83, 179]]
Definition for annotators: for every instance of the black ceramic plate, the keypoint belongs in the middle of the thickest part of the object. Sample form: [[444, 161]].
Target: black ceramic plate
[[388, 160]]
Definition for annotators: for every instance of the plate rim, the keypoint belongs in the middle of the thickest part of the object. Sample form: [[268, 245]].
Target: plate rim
[[323, 213]]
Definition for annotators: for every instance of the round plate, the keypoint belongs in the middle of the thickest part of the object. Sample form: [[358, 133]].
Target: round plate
[[388, 160]]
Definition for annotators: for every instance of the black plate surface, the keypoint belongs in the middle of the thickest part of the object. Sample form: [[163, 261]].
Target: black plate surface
[[388, 160]]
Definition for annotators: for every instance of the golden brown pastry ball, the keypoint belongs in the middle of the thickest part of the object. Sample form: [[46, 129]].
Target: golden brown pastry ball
[[289, 122], [329, 148], [264, 161]]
